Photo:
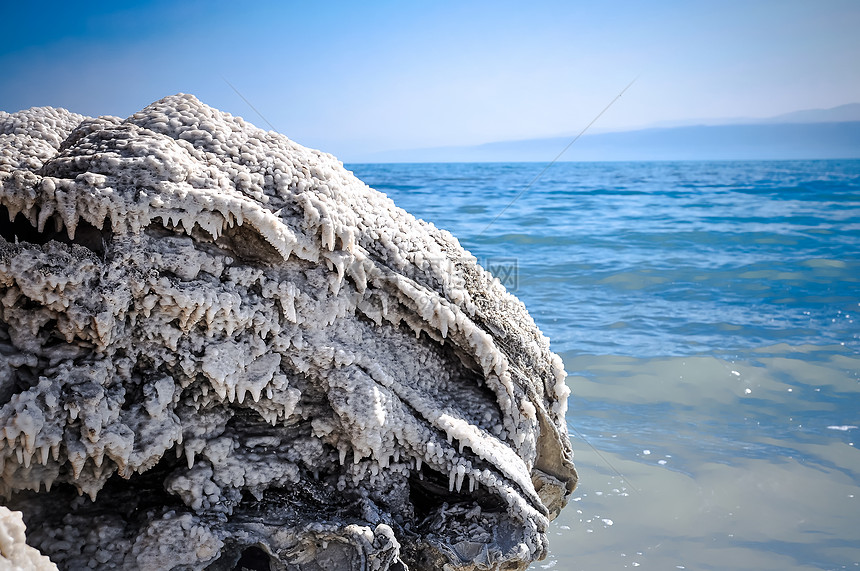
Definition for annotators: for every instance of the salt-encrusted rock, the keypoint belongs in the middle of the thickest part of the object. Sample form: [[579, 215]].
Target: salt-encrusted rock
[[15, 554], [242, 356]]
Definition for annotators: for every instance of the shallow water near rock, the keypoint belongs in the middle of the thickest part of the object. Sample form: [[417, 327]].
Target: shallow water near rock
[[707, 314]]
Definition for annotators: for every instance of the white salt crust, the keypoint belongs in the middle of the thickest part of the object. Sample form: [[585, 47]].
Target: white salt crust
[[15, 554], [196, 269]]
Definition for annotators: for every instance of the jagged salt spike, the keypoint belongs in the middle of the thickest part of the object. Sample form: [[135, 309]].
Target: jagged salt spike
[[19, 452], [44, 214], [43, 450], [189, 455], [221, 390], [77, 464], [32, 215], [29, 442], [187, 223], [461, 471], [71, 219], [328, 235], [342, 452], [452, 478], [13, 210]]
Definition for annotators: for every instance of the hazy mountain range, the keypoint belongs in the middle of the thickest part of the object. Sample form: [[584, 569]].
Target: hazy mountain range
[[808, 134]]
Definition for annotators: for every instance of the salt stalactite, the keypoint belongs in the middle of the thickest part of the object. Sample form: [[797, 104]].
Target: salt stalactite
[[220, 349]]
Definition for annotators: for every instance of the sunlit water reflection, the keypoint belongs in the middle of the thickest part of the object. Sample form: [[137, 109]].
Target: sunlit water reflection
[[707, 316]]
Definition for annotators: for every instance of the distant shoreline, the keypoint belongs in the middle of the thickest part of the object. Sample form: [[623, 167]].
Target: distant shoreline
[[349, 164], [779, 141]]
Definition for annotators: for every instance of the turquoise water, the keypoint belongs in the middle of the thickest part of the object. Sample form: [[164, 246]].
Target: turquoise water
[[708, 314]]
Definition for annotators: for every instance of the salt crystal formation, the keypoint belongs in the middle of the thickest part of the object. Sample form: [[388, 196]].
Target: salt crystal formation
[[219, 350], [15, 554]]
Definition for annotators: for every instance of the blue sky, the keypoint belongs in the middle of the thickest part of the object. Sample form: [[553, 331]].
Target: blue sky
[[350, 77]]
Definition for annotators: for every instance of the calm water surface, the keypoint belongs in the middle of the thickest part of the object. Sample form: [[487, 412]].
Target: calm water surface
[[708, 314]]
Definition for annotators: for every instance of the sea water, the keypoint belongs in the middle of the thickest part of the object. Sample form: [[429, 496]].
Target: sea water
[[708, 315]]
